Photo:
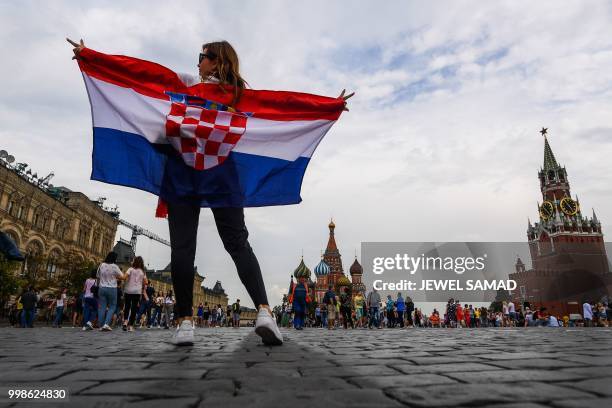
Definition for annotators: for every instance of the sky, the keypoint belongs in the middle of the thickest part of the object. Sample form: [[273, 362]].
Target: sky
[[441, 142]]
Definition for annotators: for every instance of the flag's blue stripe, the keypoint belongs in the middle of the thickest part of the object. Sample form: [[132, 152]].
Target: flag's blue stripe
[[243, 180]]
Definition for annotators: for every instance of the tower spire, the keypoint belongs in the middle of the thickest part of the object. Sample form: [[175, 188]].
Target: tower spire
[[550, 163], [595, 220]]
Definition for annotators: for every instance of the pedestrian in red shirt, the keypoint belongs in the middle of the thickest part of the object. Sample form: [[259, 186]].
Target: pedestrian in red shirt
[[460, 321], [466, 315]]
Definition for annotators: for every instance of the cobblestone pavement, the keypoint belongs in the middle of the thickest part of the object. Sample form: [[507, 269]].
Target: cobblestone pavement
[[527, 368]]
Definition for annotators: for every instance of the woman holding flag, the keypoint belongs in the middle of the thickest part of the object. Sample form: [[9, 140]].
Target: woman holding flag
[[218, 64]]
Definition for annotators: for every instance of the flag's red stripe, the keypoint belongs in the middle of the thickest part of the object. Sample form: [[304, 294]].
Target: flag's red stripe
[[152, 80]]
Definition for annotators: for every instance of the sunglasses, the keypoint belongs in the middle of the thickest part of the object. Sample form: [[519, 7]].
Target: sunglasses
[[202, 56]]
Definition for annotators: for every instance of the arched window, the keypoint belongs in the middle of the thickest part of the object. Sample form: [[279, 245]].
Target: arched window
[[13, 236], [21, 212], [52, 261], [97, 236], [34, 251]]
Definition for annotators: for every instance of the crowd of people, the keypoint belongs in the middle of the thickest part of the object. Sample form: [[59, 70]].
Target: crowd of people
[[344, 310], [112, 299]]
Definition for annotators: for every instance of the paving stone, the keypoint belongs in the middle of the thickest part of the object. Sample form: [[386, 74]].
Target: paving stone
[[518, 405], [401, 380], [590, 372], [116, 375], [601, 386], [543, 363], [352, 371], [250, 385], [164, 403], [440, 360], [579, 403], [600, 360], [444, 368], [359, 368], [355, 398], [162, 388], [519, 355], [480, 394], [514, 376]]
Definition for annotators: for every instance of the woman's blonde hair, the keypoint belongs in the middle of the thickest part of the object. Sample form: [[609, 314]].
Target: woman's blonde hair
[[228, 67]]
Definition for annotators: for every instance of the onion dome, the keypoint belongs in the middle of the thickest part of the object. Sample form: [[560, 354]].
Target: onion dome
[[302, 271], [356, 268], [343, 281], [322, 269], [331, 224]]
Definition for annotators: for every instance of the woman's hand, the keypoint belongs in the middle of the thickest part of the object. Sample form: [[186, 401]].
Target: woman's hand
[[345, 97], [78, 47]]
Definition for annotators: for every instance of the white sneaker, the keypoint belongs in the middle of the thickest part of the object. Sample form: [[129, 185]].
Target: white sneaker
[[266, 328], [184, 334], [106, 327]]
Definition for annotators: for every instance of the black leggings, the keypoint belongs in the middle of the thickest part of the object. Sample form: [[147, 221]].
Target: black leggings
[[131, 307], [183, 224]]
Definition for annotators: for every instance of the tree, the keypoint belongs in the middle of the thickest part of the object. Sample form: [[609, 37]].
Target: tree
[[74, 272], [10, 282]]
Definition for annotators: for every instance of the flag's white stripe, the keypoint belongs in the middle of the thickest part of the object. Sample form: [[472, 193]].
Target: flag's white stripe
[[124, 109]]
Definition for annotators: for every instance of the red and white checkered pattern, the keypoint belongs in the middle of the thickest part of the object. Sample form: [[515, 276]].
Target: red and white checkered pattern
[[204, 137]]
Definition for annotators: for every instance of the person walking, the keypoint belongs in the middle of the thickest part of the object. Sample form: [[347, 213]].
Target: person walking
[[77, 314], [219, 316], [90, 306], [373, 307], [59, 303], [359, 304], [149, 299], [345, 307], [587, 314], [401, 309], [29, 300], [329, 299], [206, 315], [236, 313], [108, 273], [299, 300], [135, 281], [159, 304], [410, 310], [200, 314], [389, 309], [168, 309], [460, 317], [218, 64]]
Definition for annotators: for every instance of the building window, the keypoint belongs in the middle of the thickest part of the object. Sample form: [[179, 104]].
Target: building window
[[10, 207], [52, 262], [31, 265], [13, 237], [83, 235]]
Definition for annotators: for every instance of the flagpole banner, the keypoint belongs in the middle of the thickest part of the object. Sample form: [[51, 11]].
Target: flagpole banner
[[187, 144]]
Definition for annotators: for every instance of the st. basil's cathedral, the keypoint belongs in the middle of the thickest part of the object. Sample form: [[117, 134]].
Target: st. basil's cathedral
[[329, 271]]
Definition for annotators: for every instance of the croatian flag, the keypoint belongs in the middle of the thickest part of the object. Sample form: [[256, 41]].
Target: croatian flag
[[186, 144]]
